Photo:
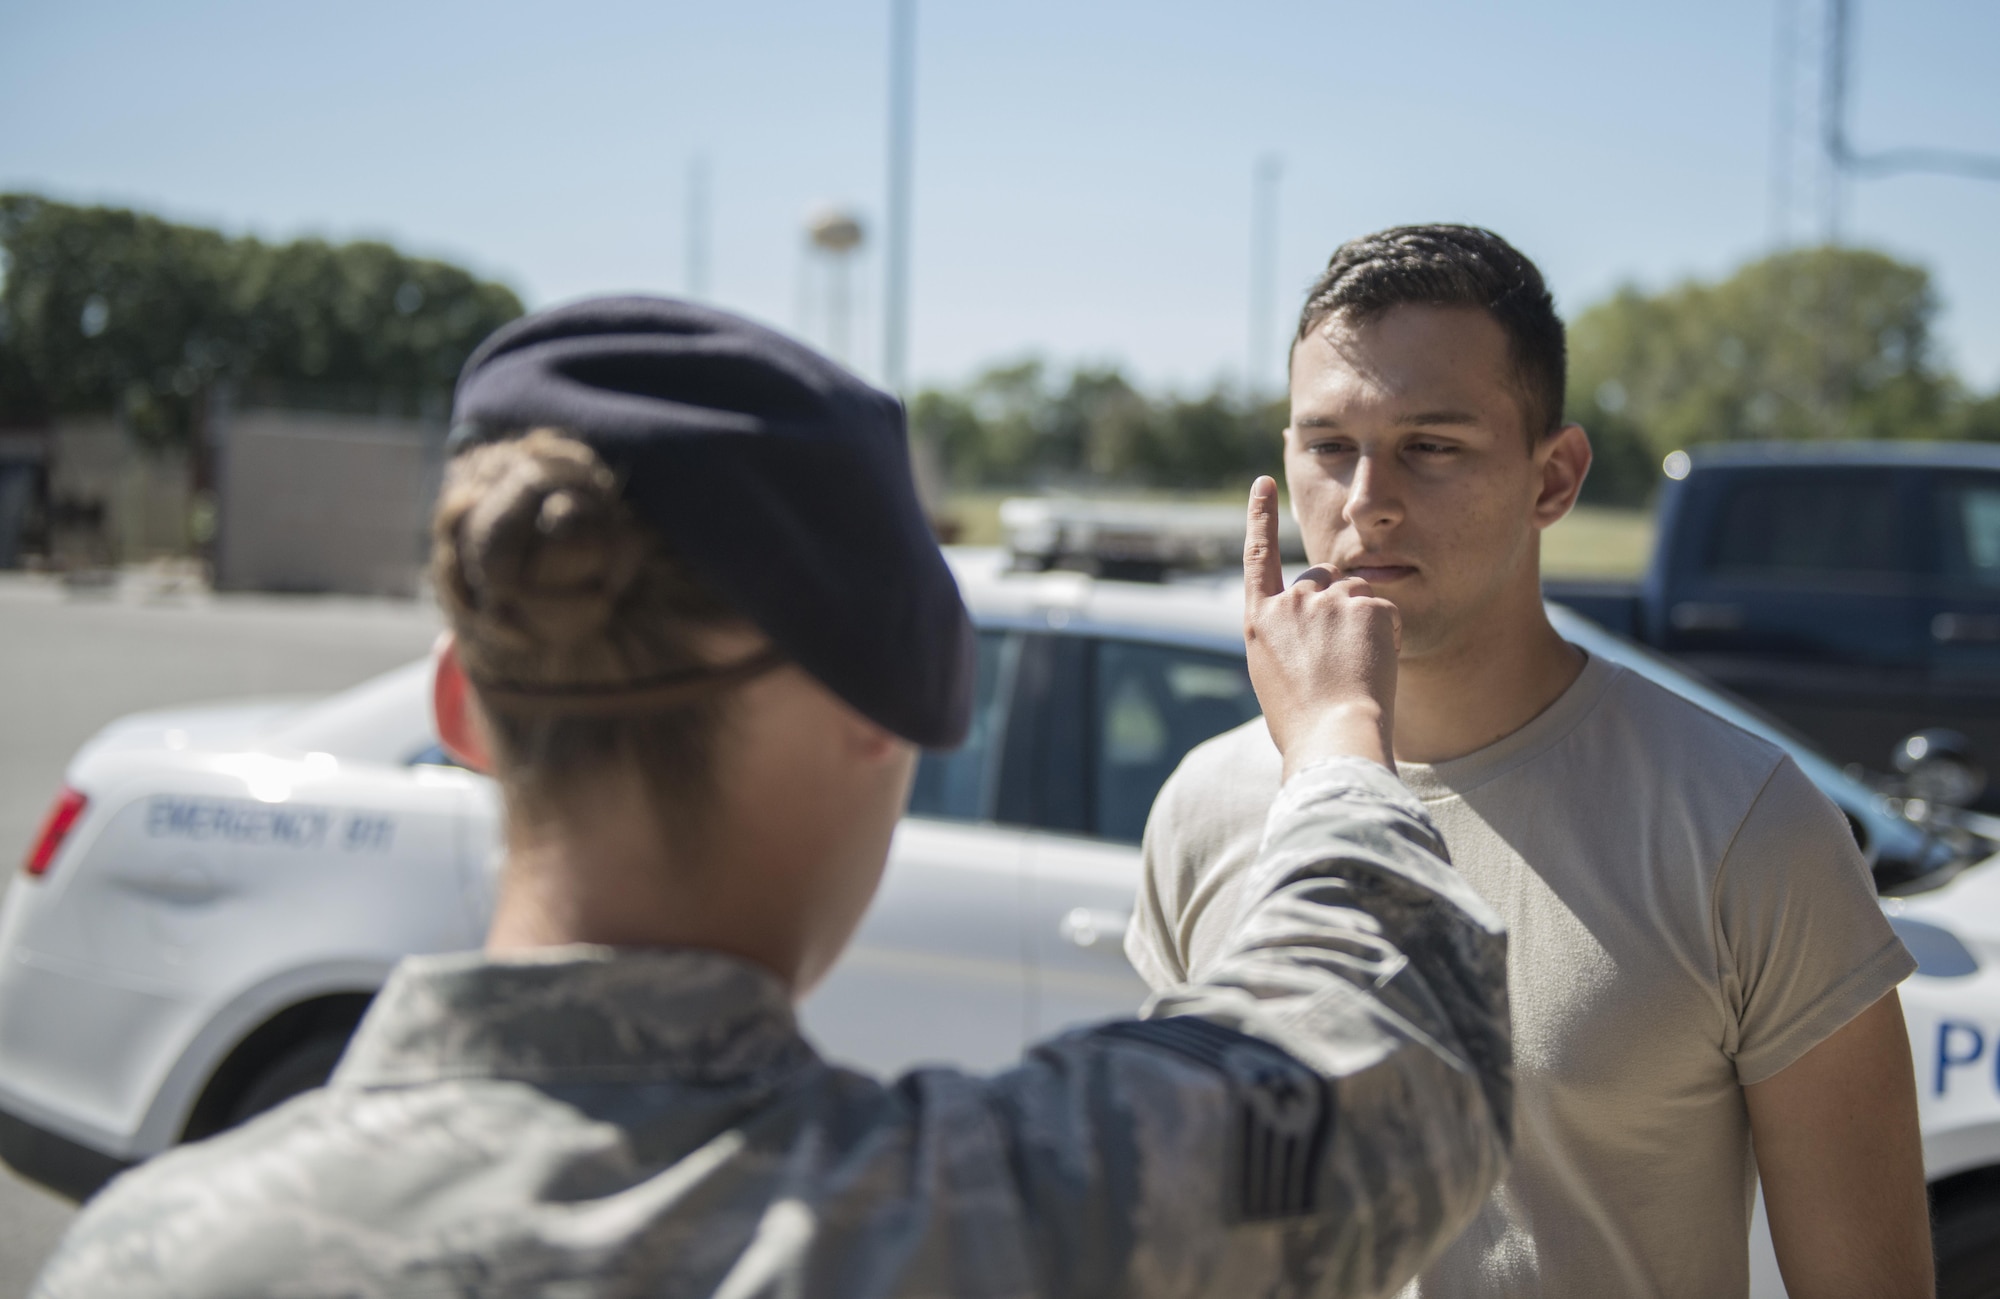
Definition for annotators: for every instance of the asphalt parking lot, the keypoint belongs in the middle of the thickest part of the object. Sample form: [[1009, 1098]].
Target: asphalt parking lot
[[70, 661]]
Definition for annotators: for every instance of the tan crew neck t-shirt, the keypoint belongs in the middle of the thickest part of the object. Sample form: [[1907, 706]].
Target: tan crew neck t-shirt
[[1687, 914]]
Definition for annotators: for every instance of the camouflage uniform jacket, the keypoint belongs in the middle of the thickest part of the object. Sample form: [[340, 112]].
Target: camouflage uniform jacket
[[1317, 1114]]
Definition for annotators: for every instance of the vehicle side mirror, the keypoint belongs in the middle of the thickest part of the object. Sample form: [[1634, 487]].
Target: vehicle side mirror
[[1939, 766]]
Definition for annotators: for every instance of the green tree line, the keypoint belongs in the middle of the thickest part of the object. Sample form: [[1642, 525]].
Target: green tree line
[[1810, 343], [1025, 425], [1814, 343], [105, 309]]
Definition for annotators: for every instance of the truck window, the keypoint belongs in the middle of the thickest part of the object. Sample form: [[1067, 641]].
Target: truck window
[[1970, 519], [957, 785], [1151, 704], [1792, 525]]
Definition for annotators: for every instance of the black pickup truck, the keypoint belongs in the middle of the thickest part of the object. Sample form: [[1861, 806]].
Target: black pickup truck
[[1852, 590]]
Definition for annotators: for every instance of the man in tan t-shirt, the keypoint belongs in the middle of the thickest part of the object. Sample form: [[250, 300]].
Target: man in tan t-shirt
[[1698, 962]]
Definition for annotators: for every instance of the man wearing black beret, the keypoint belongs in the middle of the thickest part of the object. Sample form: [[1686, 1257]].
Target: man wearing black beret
[[698, 633]]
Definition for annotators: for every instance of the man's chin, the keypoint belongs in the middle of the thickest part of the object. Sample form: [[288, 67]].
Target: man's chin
[[1423, 636]]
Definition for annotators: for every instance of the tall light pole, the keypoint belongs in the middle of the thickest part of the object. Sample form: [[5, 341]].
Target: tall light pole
[[1264, 179], [896, 242], [1833, 115]]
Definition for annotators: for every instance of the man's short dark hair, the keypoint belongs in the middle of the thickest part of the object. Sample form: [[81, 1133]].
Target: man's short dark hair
[[1453, 266]]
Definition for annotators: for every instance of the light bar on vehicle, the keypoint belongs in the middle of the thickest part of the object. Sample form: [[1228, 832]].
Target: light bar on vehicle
[[1135, 540], [62, 816]]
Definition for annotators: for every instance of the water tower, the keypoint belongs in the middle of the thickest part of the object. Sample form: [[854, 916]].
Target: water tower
[[833, 237]]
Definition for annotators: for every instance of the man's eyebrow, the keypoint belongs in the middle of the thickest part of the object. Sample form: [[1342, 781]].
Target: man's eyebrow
[[1421, 419], [1434, 418]]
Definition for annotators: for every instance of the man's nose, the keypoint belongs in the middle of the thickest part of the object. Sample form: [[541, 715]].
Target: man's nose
[[1372, 497]]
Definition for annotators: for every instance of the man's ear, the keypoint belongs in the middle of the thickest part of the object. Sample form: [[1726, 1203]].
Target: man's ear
[[1565, 460], [455, 710]]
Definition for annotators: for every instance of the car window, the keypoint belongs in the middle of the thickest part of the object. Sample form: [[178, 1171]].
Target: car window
[[433, 755], [1151, 704], [1792, 524], [1970, 516], [384, 719], [958, 785], [1042, 779]]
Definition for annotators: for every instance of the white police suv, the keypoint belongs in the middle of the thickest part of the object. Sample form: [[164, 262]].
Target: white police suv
[[217, 893]]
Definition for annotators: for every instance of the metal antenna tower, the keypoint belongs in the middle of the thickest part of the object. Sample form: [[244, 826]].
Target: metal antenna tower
[[1784, 79], [1841, 160], [1800, 164]]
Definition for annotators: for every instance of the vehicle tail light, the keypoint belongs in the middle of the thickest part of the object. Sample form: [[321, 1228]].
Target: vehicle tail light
[[68, 807]]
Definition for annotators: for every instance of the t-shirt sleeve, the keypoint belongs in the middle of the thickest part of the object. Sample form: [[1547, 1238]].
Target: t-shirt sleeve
[[1804, 945], [1163, 875]]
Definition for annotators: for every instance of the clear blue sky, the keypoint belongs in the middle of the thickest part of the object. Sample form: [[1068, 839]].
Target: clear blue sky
[[1083, 168]]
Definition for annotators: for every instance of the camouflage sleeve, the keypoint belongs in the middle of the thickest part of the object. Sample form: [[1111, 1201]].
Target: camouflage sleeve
[[1318, 1111]]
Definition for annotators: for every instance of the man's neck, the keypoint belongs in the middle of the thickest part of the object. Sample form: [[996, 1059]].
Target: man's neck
[[1484, 684]]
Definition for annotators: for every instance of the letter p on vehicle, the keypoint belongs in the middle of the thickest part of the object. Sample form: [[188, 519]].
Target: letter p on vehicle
[[1957, 1044]]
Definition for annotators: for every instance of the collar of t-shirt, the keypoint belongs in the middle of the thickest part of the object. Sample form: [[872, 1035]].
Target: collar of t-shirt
[[1435, 780], [577, 1014]]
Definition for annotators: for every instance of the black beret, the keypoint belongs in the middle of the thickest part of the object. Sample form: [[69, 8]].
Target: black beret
[[779, 477]]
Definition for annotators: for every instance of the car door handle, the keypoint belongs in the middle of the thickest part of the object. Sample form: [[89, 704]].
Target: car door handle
[[1094, 929], [1965, 628]]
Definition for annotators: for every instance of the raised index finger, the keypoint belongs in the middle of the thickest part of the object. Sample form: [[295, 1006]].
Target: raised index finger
[[1263, 575]]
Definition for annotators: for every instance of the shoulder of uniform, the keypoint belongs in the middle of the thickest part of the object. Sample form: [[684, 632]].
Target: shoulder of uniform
[[212, 1217]]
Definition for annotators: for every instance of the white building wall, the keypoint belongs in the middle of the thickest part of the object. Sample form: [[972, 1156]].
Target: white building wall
[[320, 502]]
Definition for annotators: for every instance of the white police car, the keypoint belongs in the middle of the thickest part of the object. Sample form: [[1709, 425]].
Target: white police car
[[218, 892]]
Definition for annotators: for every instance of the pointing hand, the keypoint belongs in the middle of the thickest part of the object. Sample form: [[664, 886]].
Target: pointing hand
[[1322, 651]]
